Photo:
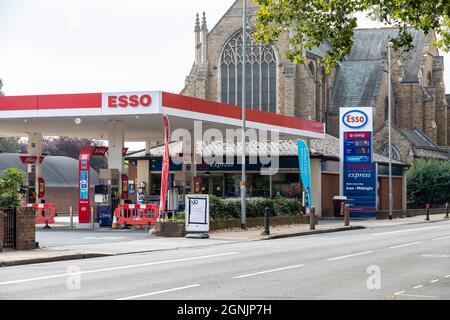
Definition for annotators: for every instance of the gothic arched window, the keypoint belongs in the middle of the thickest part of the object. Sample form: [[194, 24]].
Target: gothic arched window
[[429, 79], [385, 152], [261, 74]]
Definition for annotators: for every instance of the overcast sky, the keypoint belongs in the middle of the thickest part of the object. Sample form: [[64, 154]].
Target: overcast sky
[[71, 46]]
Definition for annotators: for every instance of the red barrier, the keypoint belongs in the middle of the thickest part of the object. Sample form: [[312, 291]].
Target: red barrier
[[137, 214], [45, 212]]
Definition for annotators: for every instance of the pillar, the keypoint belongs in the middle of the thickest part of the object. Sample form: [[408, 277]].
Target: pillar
[[116, 142], [405, 193], [143, 172], [35, 150], [316, 185]]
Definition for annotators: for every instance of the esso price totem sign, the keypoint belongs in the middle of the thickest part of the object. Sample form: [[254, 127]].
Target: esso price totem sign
[[358, 171]]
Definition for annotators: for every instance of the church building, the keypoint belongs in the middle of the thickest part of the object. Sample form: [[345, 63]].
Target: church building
[[421, 114]]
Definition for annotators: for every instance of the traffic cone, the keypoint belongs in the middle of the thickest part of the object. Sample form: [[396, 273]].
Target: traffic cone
[[115, 225]]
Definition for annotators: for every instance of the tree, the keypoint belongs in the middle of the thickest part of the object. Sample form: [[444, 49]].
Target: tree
[[70, 147], [312, 22], [429, 182], [9, 187], [9, 145]]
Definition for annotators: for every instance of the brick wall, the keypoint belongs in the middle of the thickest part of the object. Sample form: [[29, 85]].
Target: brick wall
[[25, 229], [1, 230]]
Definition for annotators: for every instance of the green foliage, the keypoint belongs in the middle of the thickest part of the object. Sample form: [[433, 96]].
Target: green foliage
[[231, 208], [312, 22], [9, 145], [9, 184], [179, 216], [429, 182]]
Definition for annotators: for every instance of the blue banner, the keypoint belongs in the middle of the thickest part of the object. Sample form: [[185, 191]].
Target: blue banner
[[305, 168]]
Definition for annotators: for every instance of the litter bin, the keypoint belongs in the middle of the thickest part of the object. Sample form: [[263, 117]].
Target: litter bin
[[339, 205]]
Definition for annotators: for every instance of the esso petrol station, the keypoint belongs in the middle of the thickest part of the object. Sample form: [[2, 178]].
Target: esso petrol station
[[126, 116]]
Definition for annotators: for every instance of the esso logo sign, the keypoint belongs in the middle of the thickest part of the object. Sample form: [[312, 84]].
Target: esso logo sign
[[355, 119], [125, 101]]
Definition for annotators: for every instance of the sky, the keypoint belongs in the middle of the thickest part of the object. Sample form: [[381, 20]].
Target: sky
[[75, 46]]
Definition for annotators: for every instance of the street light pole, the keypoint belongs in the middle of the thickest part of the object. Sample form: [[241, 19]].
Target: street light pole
[[390, 128], [244, 53]]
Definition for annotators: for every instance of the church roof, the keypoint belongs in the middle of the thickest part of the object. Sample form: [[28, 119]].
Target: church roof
[[418, 139], [57, 171], [358, 78]]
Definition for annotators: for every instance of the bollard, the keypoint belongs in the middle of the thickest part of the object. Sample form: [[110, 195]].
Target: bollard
[[92, 218], [266, 221], [428, 213], [446, 211], [71, 217], [347, 215], [312, 218]]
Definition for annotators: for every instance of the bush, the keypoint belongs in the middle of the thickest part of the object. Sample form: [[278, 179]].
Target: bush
[[9, 184], [429, 182], [286, 206], [231, 208]]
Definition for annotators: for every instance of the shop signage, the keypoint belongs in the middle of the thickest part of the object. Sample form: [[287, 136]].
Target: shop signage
[[130, 103], [358, 170], [124, 101]]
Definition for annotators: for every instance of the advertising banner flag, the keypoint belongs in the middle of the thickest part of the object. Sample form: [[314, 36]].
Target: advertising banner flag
[[305, 168], [165, 167]]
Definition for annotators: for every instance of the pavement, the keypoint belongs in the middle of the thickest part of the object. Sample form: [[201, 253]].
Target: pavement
[[62, 243], [385, 261]]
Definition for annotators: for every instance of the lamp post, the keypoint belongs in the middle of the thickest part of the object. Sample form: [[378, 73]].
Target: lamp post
[[244, 53], [390, 128]]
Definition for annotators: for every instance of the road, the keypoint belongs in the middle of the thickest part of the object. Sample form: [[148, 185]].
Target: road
[[398, 262]]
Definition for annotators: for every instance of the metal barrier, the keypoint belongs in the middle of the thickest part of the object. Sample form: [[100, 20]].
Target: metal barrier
[[137, 214], [45, 213], [9, 228]]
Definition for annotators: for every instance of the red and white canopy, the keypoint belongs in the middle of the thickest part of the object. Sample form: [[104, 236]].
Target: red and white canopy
[[141, 112]]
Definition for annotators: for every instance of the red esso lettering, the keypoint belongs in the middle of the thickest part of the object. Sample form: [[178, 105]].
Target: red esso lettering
[[353, 119], [134, 101]]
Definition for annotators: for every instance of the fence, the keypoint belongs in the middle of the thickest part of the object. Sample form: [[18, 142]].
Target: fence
[[137, 214], [9, 228], [45, 212]]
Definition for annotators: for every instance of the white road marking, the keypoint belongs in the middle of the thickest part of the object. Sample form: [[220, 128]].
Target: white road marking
[[159, 292], [118, 268], [350, 255], [267, 271], [417, 287], [435, 255], [448, 276], [435, 280], [443, 238], [407, 230], [417, 296], [405, 245], [399, 293], [104, 238]]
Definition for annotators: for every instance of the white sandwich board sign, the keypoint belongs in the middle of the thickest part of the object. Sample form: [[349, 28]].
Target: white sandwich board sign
[[197, 213]]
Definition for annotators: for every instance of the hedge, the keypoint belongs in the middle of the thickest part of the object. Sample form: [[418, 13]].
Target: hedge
[[231, 208], [429, 182]]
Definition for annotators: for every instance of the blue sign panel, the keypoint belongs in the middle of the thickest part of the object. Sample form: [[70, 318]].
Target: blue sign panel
[[305, 170], [84, 185], [360, 174]]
